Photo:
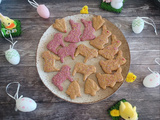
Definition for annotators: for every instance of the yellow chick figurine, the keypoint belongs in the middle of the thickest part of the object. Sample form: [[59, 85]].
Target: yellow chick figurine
[[7, 22], [128, 112], [84, 10], [131, 77]]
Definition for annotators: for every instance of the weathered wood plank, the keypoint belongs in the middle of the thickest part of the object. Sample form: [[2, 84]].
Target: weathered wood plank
[[96, 111]]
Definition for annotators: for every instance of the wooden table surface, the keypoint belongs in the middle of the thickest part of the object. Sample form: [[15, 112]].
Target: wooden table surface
[[144, 48]]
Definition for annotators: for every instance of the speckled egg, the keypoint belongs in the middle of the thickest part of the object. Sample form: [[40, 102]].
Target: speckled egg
[[152, 80], [26, 104]]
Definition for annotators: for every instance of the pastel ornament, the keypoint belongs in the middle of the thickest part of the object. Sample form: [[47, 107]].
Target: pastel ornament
[[117, 4], [23, 104], [152, 80], [42, 10], [12, 55], [138, 24]]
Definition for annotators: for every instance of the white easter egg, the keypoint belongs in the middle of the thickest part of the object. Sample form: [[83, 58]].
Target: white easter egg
[[117, 4], [43, 11], [26, 104], [137, 25], [152, 80], [12, 56]]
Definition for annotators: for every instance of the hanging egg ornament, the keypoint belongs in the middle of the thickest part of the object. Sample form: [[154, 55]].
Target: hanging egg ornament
[[12, 56], [42, 10], [25, 104], [152, 80], [137, 25]]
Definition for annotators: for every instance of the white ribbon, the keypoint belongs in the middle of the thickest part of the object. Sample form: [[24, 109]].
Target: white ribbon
[[157, 63], [152, 24], [11, 41], [15, 97], [34, 3]]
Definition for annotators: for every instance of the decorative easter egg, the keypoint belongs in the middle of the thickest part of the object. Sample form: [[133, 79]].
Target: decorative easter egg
[[152, 80], [138, 25], [26, 104], [43, 11], [117, 4], [12, 56]]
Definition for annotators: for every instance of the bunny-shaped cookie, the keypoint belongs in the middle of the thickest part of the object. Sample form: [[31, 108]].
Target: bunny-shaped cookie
[[109, 51], [88, 30], [49, 61], [87, 52], [109, 65], [67, 51], [75, 33], [105, 80], [102, 39], [55, 43]]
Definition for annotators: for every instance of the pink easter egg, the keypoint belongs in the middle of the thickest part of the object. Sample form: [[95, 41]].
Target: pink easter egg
[[43, 11]]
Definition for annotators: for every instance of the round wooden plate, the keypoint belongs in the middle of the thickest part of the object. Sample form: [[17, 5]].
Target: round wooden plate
[[85, 98]]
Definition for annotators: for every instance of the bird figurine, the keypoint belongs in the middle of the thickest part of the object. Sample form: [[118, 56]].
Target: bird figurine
[[7, 22], [84, 10], [131, 77], [123, 110], [128, 112]]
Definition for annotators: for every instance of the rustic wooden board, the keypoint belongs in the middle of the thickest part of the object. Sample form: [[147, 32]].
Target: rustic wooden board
[[144, 48]]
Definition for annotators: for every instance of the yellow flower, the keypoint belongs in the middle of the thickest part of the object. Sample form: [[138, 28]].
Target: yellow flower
[[115, 113]]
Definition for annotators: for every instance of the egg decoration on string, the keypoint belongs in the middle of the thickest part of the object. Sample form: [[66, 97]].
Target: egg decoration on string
[[23, 104], [152, 80], [138, 24], [12, 55], [42, 10]]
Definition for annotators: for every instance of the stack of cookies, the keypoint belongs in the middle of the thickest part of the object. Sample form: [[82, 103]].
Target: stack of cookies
[[111, 65]]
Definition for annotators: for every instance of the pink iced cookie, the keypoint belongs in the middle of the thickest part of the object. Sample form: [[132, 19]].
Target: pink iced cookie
[[75, 33], [66, 51], [88, 31], [57, 41], [61, 76]]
